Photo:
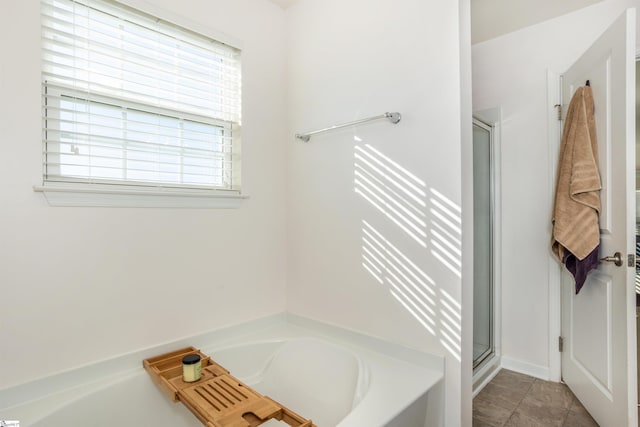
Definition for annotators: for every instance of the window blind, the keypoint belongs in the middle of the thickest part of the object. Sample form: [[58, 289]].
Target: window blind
[[135, 100]]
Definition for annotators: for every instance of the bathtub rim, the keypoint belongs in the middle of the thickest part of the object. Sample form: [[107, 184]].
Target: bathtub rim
[[92, 377]]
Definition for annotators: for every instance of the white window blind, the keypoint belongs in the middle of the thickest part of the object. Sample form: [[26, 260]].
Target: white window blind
[[129, 99]]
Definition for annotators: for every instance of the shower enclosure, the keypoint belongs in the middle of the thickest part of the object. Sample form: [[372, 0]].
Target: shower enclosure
[[483, 250]]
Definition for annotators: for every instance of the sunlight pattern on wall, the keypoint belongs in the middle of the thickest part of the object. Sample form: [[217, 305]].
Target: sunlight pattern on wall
[[411, 286], [446, 231], [392, 190], [450, 312], [428, 218], [415, 290]]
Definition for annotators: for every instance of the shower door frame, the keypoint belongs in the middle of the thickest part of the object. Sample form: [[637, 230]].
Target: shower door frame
[[482, 365]]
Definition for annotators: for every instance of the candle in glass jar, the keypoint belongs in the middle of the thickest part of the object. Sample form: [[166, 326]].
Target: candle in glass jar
[[191, 368]]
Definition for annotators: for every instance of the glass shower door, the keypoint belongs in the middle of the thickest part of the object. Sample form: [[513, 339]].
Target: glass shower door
[[483, 199]]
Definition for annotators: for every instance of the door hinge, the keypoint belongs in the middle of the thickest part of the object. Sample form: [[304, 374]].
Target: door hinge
[[560, 344], [559, 108]]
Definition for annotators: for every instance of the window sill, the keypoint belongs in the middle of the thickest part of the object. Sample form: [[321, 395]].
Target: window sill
[[135, 198]]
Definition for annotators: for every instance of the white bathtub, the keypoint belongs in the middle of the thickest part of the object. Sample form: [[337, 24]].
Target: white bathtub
[[314, 378], [342, 381]]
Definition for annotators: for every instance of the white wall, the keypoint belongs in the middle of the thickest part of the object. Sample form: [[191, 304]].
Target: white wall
[[374, 216], [510, 72], [82, 284]]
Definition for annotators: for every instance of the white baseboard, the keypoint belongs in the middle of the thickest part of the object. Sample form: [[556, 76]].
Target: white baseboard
[[537, 371]]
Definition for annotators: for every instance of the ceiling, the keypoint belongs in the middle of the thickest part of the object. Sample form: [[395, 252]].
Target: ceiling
[[493, 18], [284, 3]]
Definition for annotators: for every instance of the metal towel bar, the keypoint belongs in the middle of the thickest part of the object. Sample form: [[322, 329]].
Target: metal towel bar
[[393, 118]]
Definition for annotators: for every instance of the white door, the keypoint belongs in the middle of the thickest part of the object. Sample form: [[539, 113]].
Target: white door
[[598, 324]]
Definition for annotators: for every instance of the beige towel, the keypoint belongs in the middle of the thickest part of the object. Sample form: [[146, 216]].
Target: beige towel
[[577, 201]]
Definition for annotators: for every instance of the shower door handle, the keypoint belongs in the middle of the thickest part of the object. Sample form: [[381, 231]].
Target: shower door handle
[[616, 259]]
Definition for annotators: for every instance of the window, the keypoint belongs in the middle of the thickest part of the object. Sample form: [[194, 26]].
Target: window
[[136, 103]]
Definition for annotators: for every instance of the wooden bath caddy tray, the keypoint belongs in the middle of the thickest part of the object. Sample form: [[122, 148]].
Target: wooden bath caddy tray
[[218, 399]]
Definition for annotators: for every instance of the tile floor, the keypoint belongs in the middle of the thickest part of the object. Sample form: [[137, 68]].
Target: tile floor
[[513, 399]]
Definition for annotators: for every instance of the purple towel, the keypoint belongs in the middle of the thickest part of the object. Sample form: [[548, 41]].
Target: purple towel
[[580, 268]]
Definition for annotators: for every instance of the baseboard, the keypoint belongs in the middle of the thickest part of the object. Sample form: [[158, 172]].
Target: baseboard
[[537, 371]]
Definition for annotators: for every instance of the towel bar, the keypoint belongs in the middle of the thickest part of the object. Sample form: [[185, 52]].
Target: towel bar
[[393, 118]]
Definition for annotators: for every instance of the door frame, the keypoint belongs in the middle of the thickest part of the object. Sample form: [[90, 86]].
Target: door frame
[[554, 129]]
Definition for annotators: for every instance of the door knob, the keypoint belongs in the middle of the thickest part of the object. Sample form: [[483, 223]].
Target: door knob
[[616, 259]]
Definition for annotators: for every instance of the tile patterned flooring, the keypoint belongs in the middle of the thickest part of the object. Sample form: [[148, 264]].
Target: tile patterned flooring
[[516, 400]]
